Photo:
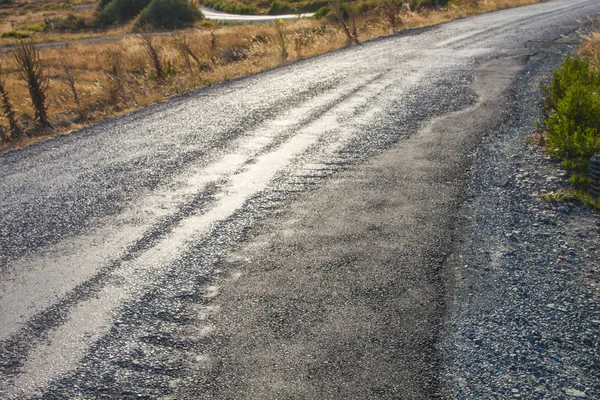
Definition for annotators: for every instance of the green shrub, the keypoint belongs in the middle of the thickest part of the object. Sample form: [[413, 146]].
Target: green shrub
[[35, 28], [239, 9], [280, 9], [310, 7], [580, 182], [169, 14], [574, 70], [69, 23], [369, 5], [120, 11], [102, 4], [232, 6], [574, 125], [7, 1], [573, 118], [322, 12], [15, 34]]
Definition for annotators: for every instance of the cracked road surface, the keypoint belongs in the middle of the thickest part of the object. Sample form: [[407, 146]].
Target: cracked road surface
[[279, 236]]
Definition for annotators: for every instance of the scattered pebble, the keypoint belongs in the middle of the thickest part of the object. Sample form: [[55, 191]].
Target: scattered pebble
[[575, 393]]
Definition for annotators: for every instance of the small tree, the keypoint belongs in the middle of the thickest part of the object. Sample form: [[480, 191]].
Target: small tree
[[279, 27], [213, 40], [7, 110], [146, 36], [114, 75], [181, 43], [31, 70], [390, 10], [4, 138], [68, 74], [346, 16]]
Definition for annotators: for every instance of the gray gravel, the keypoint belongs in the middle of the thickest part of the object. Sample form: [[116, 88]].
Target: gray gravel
[[524, 321]]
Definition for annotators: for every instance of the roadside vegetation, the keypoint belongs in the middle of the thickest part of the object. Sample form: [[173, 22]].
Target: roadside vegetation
[[97, 60], [572, 120]]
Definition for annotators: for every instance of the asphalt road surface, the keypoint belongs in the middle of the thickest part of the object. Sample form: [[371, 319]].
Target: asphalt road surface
[[279, 236]]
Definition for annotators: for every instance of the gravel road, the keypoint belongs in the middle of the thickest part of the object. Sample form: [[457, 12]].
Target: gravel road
[[363, 224]]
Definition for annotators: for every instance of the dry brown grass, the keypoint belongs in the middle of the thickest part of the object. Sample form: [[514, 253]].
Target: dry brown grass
[[591, 47], [117, 77], [24, 15]]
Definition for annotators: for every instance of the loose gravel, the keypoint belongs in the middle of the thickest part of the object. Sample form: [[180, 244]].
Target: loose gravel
[[525, 319]]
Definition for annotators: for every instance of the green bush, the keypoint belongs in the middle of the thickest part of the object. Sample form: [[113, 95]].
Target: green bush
[[239, 9], [322, 12], [120, 11], [7, 1], [573, 122], [102, 4], [280, 9], [69, 23], [574, 70], [169, 14], [231, 7], [15, 34], [310, 7], [35, 28], [573, 125]]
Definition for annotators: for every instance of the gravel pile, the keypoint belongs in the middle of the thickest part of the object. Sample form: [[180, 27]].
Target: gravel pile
[[525, 319]]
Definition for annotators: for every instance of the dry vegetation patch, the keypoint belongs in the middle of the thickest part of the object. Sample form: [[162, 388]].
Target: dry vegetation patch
[[92, 81]]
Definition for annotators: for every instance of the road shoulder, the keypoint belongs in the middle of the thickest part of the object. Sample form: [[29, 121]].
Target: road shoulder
[[525, 316]]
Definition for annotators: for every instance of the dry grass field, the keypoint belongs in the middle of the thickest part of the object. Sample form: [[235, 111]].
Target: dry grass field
[[591, 48], [119, 76]]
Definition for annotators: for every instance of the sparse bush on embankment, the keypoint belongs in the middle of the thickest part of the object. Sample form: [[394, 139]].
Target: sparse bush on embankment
[[31, 70], [572, 125]]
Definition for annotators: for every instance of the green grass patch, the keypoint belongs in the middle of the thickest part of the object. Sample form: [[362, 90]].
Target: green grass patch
[[572, 195], [559, 196], [15, 34]]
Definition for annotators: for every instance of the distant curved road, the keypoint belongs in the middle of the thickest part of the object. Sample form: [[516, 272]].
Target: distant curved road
[[209, 13]]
